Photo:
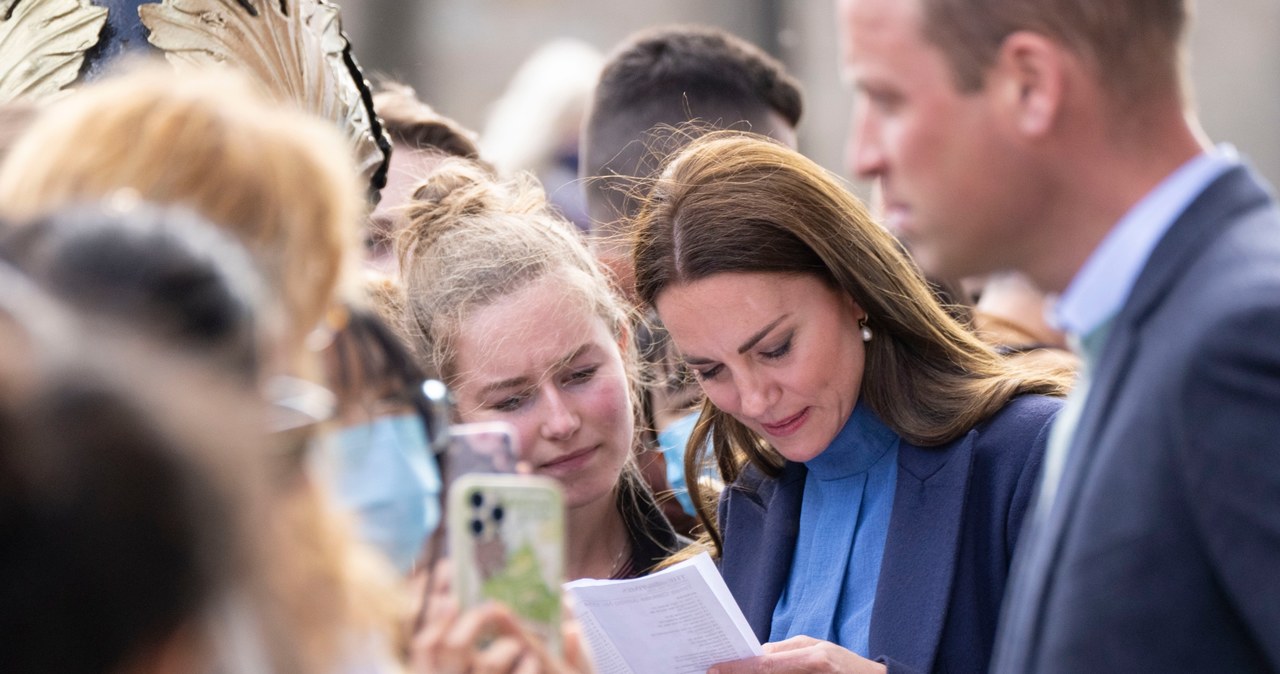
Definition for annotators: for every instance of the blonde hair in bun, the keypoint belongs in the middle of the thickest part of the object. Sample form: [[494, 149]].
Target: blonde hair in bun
[[471, 239]]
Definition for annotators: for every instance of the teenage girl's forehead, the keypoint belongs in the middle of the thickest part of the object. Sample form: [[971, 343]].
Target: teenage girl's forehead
[[531, 331]]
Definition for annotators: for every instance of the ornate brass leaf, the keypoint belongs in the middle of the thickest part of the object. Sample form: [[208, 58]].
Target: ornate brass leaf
[[295, 47], [42, 44]]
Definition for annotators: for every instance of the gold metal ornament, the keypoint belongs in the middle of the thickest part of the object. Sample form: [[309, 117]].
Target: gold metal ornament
[[294, 47], [43, 44]]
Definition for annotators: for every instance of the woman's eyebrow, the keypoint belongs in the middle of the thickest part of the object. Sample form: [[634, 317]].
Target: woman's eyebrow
[[755, 339], [512, 382], [746, 346]]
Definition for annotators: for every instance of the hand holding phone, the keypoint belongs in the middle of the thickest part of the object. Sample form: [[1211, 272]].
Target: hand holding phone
[[488, 637]]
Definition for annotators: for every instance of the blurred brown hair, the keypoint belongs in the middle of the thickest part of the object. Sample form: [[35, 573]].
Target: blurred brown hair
[[283, 182]]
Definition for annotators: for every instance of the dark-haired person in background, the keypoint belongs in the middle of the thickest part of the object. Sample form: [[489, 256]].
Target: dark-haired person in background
[[653, 82], [667, 77]]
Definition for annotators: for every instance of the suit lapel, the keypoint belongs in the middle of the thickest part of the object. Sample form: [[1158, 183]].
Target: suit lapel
[[1224, 200], [915, 587], [764, 539], [1105, 380]]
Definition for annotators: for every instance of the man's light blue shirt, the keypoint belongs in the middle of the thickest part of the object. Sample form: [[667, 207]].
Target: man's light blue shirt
[[1103, 284]]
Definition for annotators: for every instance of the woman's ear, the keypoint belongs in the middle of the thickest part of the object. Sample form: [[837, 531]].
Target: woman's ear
[[855, 308]]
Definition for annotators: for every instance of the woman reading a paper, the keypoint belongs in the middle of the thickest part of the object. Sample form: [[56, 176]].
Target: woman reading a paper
[[881, 457]]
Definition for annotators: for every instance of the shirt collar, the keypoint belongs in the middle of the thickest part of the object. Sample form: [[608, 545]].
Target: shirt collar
[[861, 443], [1102, 285]]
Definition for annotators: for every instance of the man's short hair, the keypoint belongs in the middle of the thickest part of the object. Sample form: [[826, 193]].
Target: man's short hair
[[669, 76], [414, 124], [1133, 45]]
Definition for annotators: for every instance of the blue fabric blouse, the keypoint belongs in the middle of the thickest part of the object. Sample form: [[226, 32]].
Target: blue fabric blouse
[[844, 520]]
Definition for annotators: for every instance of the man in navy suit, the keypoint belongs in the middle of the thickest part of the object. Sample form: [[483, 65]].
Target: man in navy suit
[[1055, 138]]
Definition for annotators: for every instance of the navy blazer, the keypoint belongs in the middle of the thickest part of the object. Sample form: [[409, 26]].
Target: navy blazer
[[1161, 552], [957, 514]]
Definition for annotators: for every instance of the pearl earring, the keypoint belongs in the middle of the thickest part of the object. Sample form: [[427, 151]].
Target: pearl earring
[[866, 332]]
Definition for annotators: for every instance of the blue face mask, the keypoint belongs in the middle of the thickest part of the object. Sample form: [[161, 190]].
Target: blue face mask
[[672, 440], [384, 473]]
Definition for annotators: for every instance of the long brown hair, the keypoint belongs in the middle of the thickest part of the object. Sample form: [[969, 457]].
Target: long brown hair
[[736, 202]]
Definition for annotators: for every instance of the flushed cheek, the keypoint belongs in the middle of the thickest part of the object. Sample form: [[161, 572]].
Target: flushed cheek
[[612, 417]]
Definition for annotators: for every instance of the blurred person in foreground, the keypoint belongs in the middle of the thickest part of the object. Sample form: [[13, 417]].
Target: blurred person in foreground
[[283, 185], [166, 276], [134, 505], [1155, 535], [162, 272], [282, 182], [383, 460]]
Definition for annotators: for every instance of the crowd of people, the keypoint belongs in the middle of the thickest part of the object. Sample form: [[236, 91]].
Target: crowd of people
[[1014, 415]]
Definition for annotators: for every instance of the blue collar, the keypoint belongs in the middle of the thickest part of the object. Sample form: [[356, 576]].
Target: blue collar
[[862, 441]]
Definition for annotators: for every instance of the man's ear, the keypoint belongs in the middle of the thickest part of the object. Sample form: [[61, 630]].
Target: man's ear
[[1030, 73]]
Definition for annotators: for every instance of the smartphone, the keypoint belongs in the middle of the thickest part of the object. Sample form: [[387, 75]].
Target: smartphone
[[506, 539], [475, 448], [486, 447]]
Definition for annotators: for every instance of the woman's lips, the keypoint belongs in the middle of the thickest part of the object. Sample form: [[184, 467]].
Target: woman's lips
[[568, 463], [787, 426]]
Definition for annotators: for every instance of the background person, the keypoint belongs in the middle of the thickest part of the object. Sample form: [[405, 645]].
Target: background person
[[534, 125], [662, 78], [420, 138]]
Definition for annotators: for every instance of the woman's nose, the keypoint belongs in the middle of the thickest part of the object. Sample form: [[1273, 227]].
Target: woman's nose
[[561, 420], [755, 396]]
